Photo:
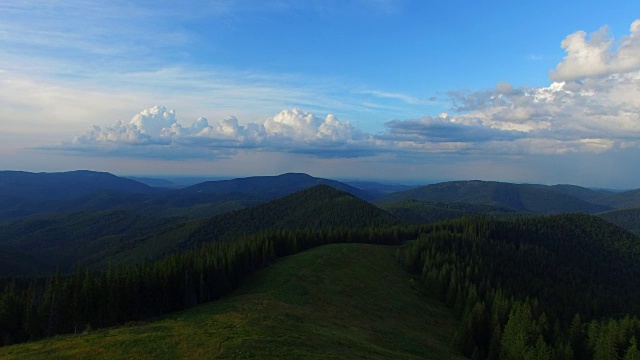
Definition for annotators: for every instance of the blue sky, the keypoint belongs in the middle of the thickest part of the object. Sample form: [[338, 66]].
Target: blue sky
[[540, 91]]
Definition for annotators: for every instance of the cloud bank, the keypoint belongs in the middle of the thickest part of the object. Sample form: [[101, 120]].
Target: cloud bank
[[292, 130], [591, 106]]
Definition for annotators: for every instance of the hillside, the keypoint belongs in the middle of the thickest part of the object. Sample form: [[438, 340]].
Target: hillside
[[509, 280], [63, 240], [271, 187], [24, 193], [64, 185], [628, 219], [14, 261], [342, 301], [624, 200], [422, 212], [579, 192], [315, 208], [516, 197]]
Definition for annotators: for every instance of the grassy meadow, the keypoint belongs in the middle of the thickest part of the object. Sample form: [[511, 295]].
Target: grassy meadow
[[336, 301]]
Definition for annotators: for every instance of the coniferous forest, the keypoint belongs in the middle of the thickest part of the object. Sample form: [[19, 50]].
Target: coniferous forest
[[522, 285], [559, 287]]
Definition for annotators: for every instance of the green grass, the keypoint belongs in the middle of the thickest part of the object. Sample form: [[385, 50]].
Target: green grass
[[337, 301]]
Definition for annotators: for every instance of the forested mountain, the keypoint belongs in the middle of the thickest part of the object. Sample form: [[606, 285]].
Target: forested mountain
[[623, 200], [628, 219], [14, 261], [64, 185], [271, 187], [315, 208], [423, 212], [154, 182], [96, 238], [516, 197], [379, 188], [64, 240], [24, 194], [535, 288], [579, 192], [555, 287]]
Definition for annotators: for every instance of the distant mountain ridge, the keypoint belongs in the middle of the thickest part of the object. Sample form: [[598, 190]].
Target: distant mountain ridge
[[538, 199], [94, 238], [272, 187], [65, 185], [24, 193], [623, 200], [318, 207]]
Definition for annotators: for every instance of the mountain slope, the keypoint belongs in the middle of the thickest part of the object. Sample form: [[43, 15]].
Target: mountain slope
[[65, 185], [24, 193], [63, 240], [272, 187], [14, 261], [509, 279], [624, 200], [318, 207], [628, 219], [579, 192], [342, 301], [517, 197], [421, 212]]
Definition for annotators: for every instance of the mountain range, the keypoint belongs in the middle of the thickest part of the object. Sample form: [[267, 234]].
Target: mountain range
[[84, 249], [54, 220]]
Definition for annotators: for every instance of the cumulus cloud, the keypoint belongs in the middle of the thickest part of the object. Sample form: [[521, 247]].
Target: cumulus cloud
[[293, 130], [598, 55]]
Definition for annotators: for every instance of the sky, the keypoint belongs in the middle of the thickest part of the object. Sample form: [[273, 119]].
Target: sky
[[389, 90]]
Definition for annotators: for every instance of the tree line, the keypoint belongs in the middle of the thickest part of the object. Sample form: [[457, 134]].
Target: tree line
[[35, 307]]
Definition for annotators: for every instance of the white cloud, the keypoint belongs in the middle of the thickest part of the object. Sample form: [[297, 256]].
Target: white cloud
[[293, 131], [599, 55]]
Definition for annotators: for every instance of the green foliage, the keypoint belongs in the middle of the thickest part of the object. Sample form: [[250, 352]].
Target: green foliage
[[64, 304], [524, 288], [64, 240], [343, 301], [319, 207]]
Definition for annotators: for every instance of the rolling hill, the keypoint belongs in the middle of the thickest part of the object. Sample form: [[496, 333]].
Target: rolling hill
[[95, 238], [623, 200], [314, 208], [537, 199], [579, 192], [64, 240], [337, 301]]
